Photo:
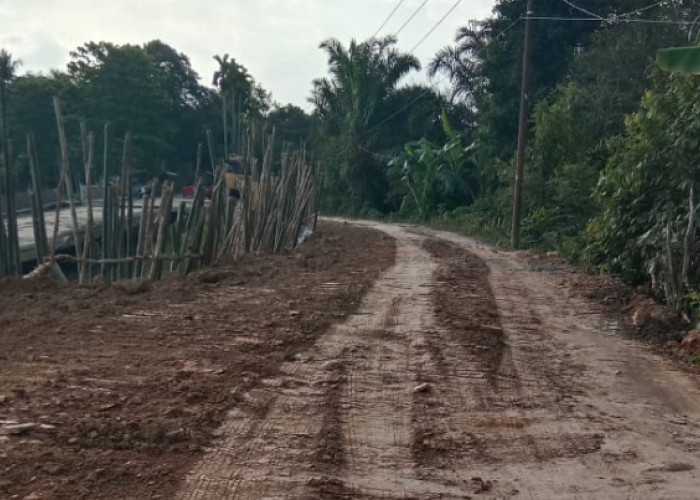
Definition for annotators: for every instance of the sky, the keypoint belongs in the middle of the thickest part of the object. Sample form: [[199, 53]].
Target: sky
[[277, 40]]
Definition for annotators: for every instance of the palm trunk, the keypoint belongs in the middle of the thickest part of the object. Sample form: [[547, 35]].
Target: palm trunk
[[11, 237]]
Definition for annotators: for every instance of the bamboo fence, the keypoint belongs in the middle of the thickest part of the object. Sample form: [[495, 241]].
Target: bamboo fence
[[276, 211]]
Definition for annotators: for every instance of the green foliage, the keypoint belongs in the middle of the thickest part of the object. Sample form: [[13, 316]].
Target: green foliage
[[640, 231]]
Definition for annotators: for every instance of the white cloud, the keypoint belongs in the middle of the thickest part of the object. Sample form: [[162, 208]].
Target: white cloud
[[277, 40]]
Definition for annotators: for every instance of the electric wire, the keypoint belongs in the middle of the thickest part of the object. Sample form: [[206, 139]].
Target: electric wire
[[581, 9], [415, 13], [388, 18], [442, 19]]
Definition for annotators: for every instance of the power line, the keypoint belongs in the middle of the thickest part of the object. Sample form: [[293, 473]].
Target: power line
[[581, 9], [388, 18], [429, 90], [442, 19], [648, 7], [415, 13], [611, 20], [510, 27]]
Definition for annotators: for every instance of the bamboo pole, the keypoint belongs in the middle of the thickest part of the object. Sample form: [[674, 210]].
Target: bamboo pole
[[124, 232], [143, 227], [55, 268], [163, 220], [197, 204], [15, 263], [210, 145], [122, 260], [106, 244], [115, 239], [178, 233], [40, 238], [65, 172], [198, 170], [89, 159]]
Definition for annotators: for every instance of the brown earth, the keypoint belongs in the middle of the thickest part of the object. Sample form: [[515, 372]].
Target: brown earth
[[465, 372], [127, 384]]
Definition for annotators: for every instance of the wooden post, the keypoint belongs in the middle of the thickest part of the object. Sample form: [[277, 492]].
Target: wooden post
[[522, 128]]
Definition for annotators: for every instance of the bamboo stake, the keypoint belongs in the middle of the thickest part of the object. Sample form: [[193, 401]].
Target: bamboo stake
[[38, 247], [40, 238], [143, 228], [65, 171], [178, 233], [198, 170], [84, 268], [15, 263], [148, 244], [211, 152], [122, 260], [163, 219], [106, 244], [124, 232], [114, 229], [197, 203]]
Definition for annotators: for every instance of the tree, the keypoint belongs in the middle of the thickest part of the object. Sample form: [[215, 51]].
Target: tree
[[353, 105], [242, 99]]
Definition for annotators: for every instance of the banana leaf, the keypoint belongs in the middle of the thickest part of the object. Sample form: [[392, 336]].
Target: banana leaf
[[680, 59]]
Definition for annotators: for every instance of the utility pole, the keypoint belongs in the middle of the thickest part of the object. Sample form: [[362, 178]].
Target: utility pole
[[522, 127]]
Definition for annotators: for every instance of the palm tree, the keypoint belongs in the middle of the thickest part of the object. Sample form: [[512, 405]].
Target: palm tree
[[233, 79], [8, 241], [352, 102]]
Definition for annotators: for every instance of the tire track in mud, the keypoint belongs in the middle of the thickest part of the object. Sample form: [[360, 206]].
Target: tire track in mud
[[595, 405], [339, 419], [450, 381]]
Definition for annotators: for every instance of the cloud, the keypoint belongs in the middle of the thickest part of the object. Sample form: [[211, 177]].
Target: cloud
[[276, 40]]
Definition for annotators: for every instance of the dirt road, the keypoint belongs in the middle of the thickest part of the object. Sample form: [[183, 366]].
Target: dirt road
[[464, 374]]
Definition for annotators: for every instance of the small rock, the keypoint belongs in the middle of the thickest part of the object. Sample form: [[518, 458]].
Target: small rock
[[52, 468], [425, 387], [481, 486], [16, 429], [334, 364]]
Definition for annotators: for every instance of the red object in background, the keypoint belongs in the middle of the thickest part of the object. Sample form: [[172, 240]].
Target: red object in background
[[188, 192]]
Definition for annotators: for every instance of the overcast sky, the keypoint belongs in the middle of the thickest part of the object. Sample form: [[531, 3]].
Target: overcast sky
[[277, 40]]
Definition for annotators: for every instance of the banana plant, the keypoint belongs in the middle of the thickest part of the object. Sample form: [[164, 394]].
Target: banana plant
[[680, 59], [436, 175]]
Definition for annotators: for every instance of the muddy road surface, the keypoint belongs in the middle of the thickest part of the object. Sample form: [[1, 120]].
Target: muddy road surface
[[463, 374]]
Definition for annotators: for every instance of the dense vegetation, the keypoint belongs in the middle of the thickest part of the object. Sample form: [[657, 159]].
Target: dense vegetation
[[611, 167]]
